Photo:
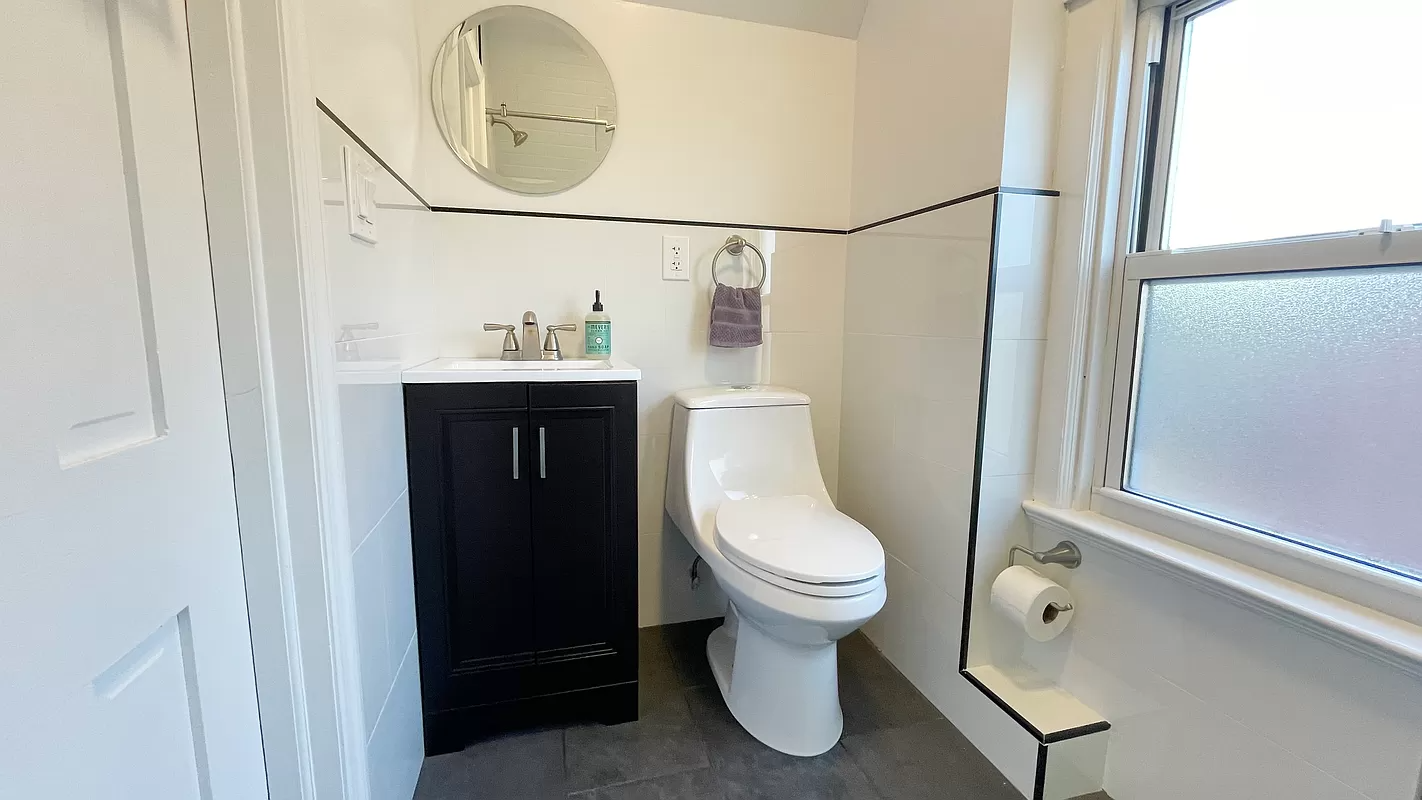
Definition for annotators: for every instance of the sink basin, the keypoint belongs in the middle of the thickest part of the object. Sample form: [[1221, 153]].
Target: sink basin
[[491, 370]]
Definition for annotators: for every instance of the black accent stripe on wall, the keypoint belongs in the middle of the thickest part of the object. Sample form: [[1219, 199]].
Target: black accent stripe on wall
[[687, 223], [989, 307], [506, 212], [1039, 781], [369, 151]]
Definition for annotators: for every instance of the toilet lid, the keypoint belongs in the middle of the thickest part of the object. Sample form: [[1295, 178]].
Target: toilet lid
[[798, 537]]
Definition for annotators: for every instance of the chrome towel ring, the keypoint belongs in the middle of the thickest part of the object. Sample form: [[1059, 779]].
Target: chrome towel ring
[[736, 245]]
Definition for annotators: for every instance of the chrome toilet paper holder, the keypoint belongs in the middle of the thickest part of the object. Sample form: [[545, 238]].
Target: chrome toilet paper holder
[[1066, 553]]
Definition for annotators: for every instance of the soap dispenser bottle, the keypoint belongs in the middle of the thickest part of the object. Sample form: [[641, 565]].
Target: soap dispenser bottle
[[597, 330]]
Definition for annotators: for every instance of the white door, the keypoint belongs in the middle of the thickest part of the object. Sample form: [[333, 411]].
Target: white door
[[125, 657]]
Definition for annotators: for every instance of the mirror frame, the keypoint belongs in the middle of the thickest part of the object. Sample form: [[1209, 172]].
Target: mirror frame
[[440, 113]]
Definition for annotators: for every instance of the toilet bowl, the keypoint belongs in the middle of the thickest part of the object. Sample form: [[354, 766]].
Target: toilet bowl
[[744, 487]]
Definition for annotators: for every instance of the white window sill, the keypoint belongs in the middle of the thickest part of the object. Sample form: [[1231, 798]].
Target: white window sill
[[1361, 629]]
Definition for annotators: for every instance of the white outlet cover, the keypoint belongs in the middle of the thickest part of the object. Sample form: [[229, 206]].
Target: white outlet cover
[[676, 258], [360, 195]]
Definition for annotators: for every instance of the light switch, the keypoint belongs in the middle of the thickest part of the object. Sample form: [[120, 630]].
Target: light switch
[[360, 195], [676, 258]]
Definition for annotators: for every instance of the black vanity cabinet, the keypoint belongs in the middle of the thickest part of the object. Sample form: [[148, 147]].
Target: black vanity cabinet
[[523, 504]]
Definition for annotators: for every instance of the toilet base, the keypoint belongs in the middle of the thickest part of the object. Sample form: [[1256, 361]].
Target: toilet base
[[785, 695]]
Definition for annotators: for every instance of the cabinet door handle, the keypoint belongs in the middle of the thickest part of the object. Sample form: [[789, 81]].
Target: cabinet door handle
[[542, 453], [515, 451]]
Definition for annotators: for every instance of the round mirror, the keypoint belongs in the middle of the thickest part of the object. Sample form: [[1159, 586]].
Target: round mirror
[[524, 100]]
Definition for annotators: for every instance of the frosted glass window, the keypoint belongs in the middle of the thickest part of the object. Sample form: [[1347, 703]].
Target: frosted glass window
[[1296, 117], [1290, 403]]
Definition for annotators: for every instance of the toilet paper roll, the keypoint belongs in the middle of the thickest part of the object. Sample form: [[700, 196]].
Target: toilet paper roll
[[1034, 603]]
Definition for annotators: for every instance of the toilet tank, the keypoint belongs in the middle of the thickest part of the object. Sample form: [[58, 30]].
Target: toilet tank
[[737, 442]]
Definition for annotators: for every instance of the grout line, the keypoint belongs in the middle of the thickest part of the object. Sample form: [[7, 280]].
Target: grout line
[[380, 519], [390, 691]]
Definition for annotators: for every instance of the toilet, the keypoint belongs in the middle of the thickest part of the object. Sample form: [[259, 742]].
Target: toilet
[[744, 487]]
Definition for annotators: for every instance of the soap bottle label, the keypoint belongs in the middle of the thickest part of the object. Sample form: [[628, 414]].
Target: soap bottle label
[[598, 338]]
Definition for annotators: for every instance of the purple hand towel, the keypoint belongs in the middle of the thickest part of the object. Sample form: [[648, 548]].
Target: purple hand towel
[[735, 317]]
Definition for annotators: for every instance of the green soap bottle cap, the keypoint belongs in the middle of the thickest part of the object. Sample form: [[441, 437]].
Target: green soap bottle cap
[[597, 300]]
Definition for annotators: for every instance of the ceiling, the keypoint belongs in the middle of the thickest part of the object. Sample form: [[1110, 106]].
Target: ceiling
[[833, 17]]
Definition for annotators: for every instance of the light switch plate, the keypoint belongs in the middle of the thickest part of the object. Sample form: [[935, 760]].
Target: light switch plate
[[676, 258], [360, 195]]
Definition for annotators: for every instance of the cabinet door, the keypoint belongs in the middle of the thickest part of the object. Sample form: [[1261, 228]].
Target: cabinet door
[[469, 484], [584, 447]]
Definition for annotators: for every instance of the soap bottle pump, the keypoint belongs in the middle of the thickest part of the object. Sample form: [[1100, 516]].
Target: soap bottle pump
[[597, 330]]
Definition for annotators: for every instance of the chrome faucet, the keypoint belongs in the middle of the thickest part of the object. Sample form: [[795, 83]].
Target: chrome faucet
[[511, 351], [532, 346]]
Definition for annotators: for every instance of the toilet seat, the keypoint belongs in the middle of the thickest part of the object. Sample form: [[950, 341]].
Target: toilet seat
[[800, 543]]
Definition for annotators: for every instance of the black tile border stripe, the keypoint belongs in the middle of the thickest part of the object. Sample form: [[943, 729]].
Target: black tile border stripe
[[506, 212], [989, 302], [1039, 781], [956, 201], [370, 151]]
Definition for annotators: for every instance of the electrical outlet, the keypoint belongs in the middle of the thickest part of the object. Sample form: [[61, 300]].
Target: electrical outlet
[[676, 258]]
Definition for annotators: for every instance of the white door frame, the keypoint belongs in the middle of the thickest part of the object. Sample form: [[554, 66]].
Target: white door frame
[[260, 155]]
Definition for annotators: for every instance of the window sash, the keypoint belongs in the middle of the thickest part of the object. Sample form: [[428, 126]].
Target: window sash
[[1336, 252], [1161, 38]]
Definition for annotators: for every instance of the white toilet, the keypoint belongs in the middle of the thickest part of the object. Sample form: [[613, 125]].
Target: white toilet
[[744, 487]]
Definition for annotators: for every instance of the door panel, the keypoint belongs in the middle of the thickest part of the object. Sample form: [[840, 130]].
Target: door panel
[[122, 607], [470, 541], [573, 590], [488, 553], [584, 532]]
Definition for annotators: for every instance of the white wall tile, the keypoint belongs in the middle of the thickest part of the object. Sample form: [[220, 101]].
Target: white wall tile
[[1014, 393], [396, 749], [368, 566], [389, 283], [1357, 720], [664, 593], [394, 532], [808, 288], [1177, 748], [1210, 699], [373, 443], [1022, 288]]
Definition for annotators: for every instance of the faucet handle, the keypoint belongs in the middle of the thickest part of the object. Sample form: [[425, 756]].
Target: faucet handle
[[551, 351], [511, 349]]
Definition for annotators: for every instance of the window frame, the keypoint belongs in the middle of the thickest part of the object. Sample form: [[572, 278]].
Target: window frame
[[1160, 45]]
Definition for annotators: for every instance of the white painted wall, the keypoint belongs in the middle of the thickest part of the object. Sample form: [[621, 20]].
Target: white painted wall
[[389, 284], [930, 90], [1036, 52], [719, 120], [366, 67], [493, 269]]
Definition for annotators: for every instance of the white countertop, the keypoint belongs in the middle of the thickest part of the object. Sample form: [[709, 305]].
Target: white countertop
[[492, 370]]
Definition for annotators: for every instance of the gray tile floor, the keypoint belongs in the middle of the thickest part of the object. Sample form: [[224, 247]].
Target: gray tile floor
[[686, 746]]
